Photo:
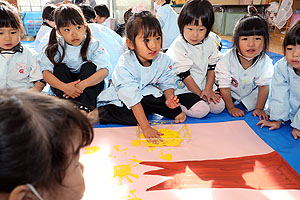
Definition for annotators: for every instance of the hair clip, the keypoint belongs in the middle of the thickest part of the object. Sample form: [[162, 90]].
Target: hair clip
[[137, 9]]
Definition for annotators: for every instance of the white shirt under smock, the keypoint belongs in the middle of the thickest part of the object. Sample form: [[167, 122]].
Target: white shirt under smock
[[44, 30], [243, 83], [95, 53], [111, 45], [131, 81], [21, 70], [194, 58], [285, 94], [168, 21]]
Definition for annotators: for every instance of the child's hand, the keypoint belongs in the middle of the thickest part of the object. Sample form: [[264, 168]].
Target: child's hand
[[261, 114], [272, 124], [236, 112], [296, 133], [152, 135], [172, 102], [70, 90], [209, 95]]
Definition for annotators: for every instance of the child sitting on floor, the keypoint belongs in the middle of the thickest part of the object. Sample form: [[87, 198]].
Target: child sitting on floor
[[285, 95], [19, 65], [244, 73], [143, 81], [41, 137]]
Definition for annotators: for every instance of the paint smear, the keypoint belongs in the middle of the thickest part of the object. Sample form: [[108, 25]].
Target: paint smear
[[167, 156], [170, 138], [91, 149], [132, 192], [124, 171], [117, 148]]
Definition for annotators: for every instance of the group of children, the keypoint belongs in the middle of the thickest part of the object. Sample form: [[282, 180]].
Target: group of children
[[192, 78]]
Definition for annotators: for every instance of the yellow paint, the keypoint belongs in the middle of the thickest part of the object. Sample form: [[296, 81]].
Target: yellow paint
[[167, 156], [135, 143], [117, 148], [170, 138], [91, 149], [132, 192], [124, 171], [135, 160]]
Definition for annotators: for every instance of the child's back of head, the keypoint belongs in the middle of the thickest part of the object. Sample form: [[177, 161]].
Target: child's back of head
[[40, 140], [102, 10], [48, 12], [88, 12]]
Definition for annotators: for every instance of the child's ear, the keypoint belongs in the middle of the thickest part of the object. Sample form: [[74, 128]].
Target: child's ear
[[20, 192], [58, 32], [129, 44]]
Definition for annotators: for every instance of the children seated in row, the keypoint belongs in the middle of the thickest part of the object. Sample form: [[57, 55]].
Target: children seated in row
[[75, 64], [195, 55], [285, 94], [103, 16], [142, 82], [47, 26], [244, 73], [19, 65], [40, 146]]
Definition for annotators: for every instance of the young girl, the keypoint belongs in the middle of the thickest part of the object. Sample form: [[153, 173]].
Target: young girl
[[195, 55], [285, 97], [19, 65], [244, 73], [142, 82], [74, 65], [41, 137]]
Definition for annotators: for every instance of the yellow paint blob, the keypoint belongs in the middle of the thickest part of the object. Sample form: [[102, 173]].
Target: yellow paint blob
[[124, 171], [166, 156], [117, 148], [135, 143], [132, 192], [90, 150], [170, 138]]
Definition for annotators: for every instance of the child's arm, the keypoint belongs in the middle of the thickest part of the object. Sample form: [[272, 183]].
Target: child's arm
[[226, 95], [296, 133], [263, 92], [272, 124], [171, 100], [69, 89], [149, 133], [96, 78], [208, 92], [38, 87], [191, 85]]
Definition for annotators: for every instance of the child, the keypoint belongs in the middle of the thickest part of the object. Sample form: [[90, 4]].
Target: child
[[244, 73], [110, 40], [75, 65], [168, 21], [41, 137], [285, 96], [102, 16], [195, 55], [142, 82], [48, 24], [19, 65], [121, 27]]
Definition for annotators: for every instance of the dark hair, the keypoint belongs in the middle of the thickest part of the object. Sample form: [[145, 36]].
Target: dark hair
[[36, 133], [48, 12], [10, 17], [88, 12], [144, 21], [250, 25], [102, 10], [128, 13], [195, 10], [292, 36], [64, 15]]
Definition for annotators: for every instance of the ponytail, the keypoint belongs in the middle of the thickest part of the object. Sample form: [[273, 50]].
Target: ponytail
[[86, 43], [52, 48]]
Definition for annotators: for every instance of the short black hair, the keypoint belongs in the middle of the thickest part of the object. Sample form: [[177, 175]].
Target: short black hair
[[48, 12], [88, 12], [195, 10], [292, 36], [102, 10], [250, 25]]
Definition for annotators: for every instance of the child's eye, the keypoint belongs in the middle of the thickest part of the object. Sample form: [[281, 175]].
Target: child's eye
[[146, 40], [289, 48], [66, 30], [258, 38], [78, 27], [13, 32], [201, 29], [1, 33], [244, 38], [158, 38]]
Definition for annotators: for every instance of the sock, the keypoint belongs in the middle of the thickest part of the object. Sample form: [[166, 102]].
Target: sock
[[198, 110]]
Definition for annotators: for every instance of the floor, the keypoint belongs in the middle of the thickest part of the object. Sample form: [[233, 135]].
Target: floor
[[276, 41]]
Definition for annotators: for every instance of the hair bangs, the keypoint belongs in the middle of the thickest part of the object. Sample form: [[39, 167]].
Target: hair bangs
[[251, 28], [67, 15], [8, 19], [293, 36], [151, 28]]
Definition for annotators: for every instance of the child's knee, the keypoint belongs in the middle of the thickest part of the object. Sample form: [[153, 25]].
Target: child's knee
[[198, 110], [218, 107]]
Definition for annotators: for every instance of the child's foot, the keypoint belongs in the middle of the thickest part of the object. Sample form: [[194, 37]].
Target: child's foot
[[180, 118], [93, 116]]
